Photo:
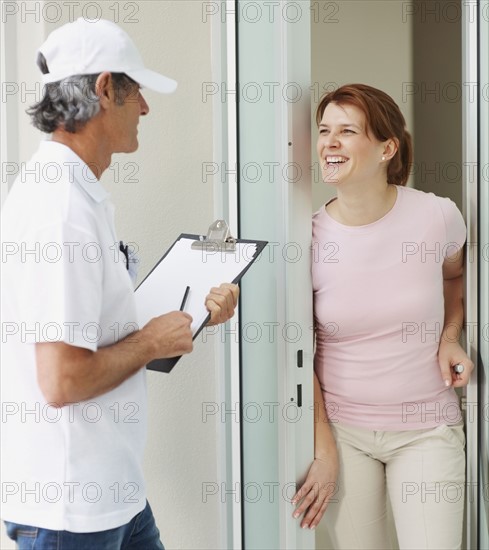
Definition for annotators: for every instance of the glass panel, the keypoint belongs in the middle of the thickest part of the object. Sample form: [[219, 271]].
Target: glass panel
[[276, 310]]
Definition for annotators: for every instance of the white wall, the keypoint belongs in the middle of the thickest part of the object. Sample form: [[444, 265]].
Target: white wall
[[158, 196]]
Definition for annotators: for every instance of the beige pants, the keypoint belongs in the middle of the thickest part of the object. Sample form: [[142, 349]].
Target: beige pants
[[421, 471]]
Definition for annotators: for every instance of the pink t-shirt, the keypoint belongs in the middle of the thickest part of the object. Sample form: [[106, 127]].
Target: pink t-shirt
[[379, 310]]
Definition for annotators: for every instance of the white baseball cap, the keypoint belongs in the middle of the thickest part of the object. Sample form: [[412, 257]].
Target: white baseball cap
[[94, 46]]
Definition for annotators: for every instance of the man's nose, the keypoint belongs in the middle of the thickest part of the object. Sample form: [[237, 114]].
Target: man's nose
[[143, 106]]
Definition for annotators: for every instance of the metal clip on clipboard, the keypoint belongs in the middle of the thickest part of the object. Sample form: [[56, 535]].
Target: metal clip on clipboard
[[218, 239]]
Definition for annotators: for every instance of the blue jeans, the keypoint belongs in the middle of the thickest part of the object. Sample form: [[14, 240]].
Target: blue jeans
[[140, 533]]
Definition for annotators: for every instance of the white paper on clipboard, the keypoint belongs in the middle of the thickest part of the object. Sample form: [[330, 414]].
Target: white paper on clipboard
[[163, 289]]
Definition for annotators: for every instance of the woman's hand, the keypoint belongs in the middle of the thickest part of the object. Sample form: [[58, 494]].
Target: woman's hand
[[449, 355], [318, 489]]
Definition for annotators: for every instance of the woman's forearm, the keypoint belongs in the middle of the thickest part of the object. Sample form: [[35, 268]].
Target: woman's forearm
[[324, 441]]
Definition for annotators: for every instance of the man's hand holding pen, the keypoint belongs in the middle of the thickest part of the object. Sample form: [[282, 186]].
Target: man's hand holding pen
[[170, 334]]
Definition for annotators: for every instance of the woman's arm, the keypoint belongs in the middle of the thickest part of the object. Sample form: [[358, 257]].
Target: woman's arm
[[320, 484], [450, 352]]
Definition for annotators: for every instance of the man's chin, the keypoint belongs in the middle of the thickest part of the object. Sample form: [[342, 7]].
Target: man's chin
[[129, 149]]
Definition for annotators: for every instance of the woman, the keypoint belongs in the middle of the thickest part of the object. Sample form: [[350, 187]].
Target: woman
[[387, 278]]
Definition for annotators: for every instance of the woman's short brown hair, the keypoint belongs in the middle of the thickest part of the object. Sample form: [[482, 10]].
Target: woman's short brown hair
[[384, 119]]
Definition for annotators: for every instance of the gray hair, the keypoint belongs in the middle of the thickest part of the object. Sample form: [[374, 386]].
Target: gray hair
[[70, 103]]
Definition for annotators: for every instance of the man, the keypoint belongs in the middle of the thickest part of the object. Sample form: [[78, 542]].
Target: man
[[72, 472]]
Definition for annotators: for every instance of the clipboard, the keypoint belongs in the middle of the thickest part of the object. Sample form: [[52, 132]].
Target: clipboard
[[199, 262]]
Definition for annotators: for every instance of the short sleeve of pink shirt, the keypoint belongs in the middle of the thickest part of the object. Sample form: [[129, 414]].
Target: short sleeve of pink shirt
[[379, 311]]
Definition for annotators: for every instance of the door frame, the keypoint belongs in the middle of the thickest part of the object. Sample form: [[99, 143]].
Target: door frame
[[470, 207]]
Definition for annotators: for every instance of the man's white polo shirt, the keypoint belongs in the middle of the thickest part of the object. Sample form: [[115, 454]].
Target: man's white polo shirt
[[79, 467]]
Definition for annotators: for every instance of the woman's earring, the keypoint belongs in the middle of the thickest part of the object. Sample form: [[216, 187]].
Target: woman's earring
[[383, 158]]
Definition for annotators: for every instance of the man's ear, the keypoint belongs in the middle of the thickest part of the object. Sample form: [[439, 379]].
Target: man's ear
[[104, 89]]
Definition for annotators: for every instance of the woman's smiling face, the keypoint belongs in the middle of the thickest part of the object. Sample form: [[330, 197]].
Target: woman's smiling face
[[348, 154]]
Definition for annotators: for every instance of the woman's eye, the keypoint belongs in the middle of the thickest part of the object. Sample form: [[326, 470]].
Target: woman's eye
[[348, 131]]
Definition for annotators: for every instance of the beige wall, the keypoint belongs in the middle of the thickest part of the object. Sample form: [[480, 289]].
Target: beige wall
[[437, 95], [359, 41], [158, 194]]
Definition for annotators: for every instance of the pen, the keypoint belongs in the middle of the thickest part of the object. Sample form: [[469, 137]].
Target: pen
[[125, 250], [185, 296]]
